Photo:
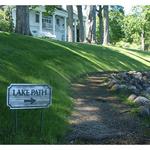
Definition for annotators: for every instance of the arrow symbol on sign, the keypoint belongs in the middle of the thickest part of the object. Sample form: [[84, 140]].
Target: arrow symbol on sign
[[31, 100]]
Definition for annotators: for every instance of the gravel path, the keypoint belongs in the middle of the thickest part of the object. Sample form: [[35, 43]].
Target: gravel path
[[100, 118]]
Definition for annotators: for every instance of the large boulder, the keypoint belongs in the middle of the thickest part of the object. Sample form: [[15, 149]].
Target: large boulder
[[141, 101], [132, 97]]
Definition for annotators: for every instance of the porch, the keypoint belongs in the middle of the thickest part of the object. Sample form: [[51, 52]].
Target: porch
[[55, 26]]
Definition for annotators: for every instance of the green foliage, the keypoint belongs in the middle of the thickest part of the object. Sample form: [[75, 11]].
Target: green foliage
[[146, 12], [116, 16], [50, 9], [117, 8], [136, 23], [6, 23], [116, 25], [132, 28], [26, 59]]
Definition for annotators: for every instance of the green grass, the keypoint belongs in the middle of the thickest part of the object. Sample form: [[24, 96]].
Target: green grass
[[25, 59]]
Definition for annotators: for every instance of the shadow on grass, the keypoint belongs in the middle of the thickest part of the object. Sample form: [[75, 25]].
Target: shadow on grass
[[29, 60]]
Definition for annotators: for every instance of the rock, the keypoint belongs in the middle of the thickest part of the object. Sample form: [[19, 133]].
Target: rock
[[147, 95], [115, 87], [141, 100], [113, 76], [144, 111], [145, 85], [124, 75], [135, 82], [132, 97], [138, 86], [111, 83], [123, 86], [133, 89], [132, 81], [148, 89], [144, 78], [131, 72], [138, 75]]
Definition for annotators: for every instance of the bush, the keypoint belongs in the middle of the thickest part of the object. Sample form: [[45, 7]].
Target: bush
[[6, 22], [4, 25]]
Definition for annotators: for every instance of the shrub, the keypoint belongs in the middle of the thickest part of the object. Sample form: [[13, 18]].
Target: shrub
[[4, 25]]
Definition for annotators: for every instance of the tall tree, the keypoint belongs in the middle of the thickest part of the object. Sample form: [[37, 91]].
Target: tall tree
[[106, 25], [136, 26], [116, 17], [70, 23], [100, 23], [22, 20], [81, 26], [92, 24]]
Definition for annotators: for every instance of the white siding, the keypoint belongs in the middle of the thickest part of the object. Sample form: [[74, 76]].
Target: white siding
[[60, 28], [47, 29], [14, 17], [34, 26]]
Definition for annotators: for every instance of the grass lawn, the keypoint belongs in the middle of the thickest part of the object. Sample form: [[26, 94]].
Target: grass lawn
[[25, 59]]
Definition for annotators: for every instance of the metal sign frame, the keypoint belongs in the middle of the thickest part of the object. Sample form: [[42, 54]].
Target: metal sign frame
[[28, 107]]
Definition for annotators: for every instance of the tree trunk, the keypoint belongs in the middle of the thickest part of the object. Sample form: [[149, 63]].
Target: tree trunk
[[142, 41], [92, 24], [22, 20], [106, 25], [100, 24], [81, 28], [70, 23]]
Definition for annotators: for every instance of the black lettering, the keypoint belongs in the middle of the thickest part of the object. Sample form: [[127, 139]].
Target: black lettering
[[14, 94], [44, 92], [27, 93], [32, 92]]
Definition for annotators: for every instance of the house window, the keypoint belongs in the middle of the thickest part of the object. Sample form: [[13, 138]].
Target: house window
[[37, 16], [57, 21], [47, 22]]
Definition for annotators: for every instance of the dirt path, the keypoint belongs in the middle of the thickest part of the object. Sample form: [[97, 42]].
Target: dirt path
[[100, 118]]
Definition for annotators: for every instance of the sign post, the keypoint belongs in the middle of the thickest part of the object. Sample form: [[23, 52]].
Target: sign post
[[29, 96]]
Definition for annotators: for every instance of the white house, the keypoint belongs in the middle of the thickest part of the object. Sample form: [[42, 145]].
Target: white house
[[53, 26]]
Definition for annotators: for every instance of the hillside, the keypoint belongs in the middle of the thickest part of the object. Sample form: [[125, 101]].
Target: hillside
[[25, 59]]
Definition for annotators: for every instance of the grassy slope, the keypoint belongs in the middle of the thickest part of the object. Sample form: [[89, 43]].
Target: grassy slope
[[29, 60]]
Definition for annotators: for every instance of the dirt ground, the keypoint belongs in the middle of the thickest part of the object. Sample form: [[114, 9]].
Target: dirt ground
[[99, 117]]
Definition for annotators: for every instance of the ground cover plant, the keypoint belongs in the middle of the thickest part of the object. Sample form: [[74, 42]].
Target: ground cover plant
[[25, 59]]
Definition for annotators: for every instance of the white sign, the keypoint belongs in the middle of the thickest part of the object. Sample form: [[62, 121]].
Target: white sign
[[29, 96]]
